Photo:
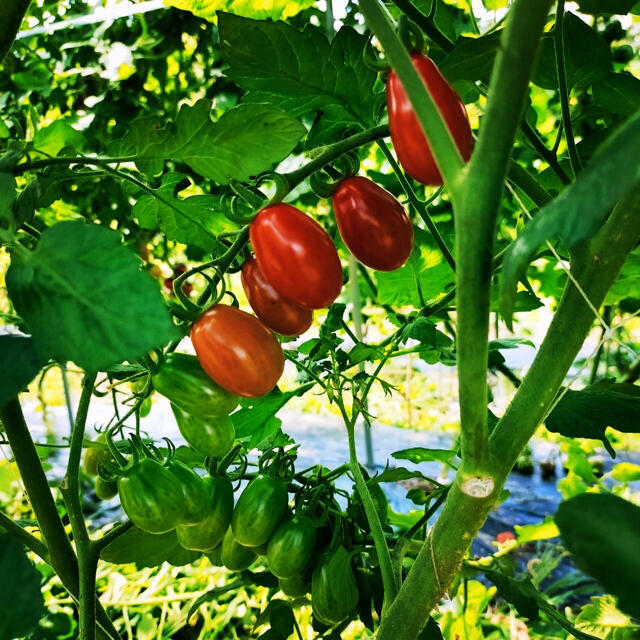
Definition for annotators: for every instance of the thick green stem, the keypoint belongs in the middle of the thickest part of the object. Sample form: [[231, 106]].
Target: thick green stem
[[382, 549], [558, 41], [463, 515], [476, 209], [13, 12], [444, 149], [70, 488], [63, 559]]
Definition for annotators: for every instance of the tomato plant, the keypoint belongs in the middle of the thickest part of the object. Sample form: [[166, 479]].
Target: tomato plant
[[350, 235]]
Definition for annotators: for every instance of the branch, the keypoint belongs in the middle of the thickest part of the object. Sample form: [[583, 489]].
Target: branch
[[31, 542], [10, 24], [476, 212]]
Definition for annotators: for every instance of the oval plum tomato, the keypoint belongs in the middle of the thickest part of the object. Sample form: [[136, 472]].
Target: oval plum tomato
[[334, 591], [280, 315], [209, 436], [237, 351], [259, 511], [194, 492], [151, 496], [372, 223], [297, 256], [407, 137], [181, 379], [291, 547], [235, 556], [218, 506]]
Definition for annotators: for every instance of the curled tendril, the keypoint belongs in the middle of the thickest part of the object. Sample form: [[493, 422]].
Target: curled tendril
[[280, 181], [348, 163], [254, 197], [322, 184], [410, 34]]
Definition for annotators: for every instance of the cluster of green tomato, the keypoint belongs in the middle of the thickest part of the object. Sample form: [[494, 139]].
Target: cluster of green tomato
[[303, 545]]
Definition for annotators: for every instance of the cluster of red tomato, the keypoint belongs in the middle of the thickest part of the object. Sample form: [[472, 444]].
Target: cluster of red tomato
[[296, 267]]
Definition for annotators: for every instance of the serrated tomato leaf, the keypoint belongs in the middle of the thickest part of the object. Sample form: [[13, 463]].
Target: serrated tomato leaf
[[77, 309], [20, 364]]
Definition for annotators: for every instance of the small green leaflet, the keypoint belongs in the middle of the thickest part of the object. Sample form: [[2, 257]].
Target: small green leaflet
[[56, 136], [619, 93], [20, 364], [421, 454], [425, 265], [195, 220], [244, 142], [274, 9], [76, 309], [579, 211], [301, 71], [602, 531]]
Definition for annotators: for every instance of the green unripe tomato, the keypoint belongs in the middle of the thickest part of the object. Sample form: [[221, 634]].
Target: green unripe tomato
[[181, 379], [211, 437], [194, 492], [334, 591], [291, 547], [235, 556], [96, 454], [105, 489], [215, 556], [295, 587], [259, 511], [208, 533], [151, 497]]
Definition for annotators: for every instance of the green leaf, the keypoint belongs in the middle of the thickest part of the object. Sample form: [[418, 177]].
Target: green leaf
[[76, 309], [587, 56], [422, 454], [244, 142], [516, 591], [147, 549], [397, 474], [602, 531], [603, 619], [425, 265], [618, 93], [274, 9], [364, 352], [19, 591], [20, 364], [472, 60], [301, 72], [56, 136], [626, 472], [256, 421], [578, 212], [8, 225], [431, 631], [195, 220], [545, 530], [599, 7], [588, 412]]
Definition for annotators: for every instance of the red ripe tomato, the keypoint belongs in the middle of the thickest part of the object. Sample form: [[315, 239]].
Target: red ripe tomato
[[278, 314], [237, 351], [373, 224], [504, 536], [413, 150], [296, 256]]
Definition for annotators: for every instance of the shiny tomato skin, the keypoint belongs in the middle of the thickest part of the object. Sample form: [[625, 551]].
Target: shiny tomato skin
[[237, 351], [297, 256], [372, 223], [280, 315], [409, 142]]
